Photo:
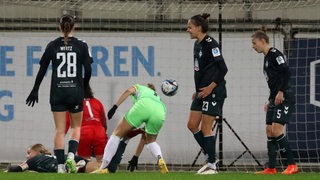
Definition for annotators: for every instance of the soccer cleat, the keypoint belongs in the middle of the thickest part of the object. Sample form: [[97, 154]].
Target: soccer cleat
[[203, 168], [61, 169], [101, 171], [71, 164], [209, 171], [209, 168], [291, 169], [81, 163], [162, 166], [267, 171]]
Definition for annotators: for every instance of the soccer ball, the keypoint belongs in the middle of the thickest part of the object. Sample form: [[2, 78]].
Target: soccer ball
[[169, 87]]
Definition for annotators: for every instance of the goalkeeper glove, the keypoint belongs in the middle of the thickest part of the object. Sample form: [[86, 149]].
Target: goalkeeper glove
[[112, 111], [133, 163], [32, 98]]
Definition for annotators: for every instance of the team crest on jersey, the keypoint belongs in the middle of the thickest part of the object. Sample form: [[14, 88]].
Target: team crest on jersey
[[209, 39], [280, 59], [216, 52]]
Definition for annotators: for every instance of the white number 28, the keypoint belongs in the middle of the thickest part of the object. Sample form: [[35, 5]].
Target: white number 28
[[70, 59]]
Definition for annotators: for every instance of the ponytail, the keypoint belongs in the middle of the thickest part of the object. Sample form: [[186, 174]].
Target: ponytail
[[66, 25]]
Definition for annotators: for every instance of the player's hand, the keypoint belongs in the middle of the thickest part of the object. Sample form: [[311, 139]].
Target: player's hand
[[266, 106], [133, 163], [112, 111], [279, 98], [32, 98]]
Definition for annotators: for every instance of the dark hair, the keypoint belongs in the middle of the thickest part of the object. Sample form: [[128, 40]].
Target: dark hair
[[66, 24], [201, 20], [261, 34], [88, 92], [40, 148], [151, 86]]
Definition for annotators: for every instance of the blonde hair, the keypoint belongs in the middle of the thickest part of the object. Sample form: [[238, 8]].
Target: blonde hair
[[261, 34], [151, 86], [40, 148]]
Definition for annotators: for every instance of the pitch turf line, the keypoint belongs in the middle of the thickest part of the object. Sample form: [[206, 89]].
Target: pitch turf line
[[156, 176]]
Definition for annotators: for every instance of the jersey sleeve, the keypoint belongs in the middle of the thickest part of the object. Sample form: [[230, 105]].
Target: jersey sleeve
[[218, 59], [44, 63], [103, 117], [87, 65], [284, 69]]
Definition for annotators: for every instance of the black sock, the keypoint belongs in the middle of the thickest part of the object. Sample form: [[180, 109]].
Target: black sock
[[272, 147], [59, 153], [73, 146], [284, 146], [115, 161], [210, 148], [200, 139]]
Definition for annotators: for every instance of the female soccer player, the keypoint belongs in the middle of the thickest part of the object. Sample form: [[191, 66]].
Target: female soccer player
[[93, 128], [280, 102], [149, 109], [39, 159], [69, 56], [209, 72]]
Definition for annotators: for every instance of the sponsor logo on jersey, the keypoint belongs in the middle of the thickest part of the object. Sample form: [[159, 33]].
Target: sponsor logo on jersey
[[216, 52], [214, 103], [280, 59], [196, 64]]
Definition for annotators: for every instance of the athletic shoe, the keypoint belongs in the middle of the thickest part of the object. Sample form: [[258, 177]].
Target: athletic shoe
[[71, 164], [162, 166], [209, 168], [101, 171], [267, 171], [204, 168], [61, 169], [81, 163], [291, 169], [210, 171]]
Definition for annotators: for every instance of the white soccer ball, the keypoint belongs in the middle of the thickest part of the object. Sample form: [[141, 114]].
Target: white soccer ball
[[169, 87]]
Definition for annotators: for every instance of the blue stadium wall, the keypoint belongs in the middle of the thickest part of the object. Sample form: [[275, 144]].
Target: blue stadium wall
[[304, 128]]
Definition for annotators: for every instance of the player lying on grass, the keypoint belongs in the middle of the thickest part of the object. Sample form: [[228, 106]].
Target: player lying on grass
[[39, 159]]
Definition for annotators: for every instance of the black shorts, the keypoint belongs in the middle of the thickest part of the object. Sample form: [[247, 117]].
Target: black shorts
[[279, 114], [209, 105], [71, 101]]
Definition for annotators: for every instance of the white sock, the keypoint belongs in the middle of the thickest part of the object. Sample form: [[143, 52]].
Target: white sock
[[70, 155], [212, 166], [155, 149], [110, 150]]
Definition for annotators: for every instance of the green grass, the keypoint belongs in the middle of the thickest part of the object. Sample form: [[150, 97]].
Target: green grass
[[156, 176]]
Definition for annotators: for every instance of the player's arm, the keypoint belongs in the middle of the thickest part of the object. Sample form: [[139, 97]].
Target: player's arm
[[130, 91], [44, 63], [18, 168], [284, 79], [87, 66]]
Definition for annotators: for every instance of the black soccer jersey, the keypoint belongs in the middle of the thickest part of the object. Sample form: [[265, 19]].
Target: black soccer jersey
[[67, 63], [276, 72], [43, 163], [209, 65]]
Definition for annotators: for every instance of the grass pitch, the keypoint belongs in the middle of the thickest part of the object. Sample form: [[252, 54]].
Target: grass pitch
[[156, 176]]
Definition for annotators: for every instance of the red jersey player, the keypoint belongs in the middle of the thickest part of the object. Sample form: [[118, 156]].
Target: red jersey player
[[93, 137]]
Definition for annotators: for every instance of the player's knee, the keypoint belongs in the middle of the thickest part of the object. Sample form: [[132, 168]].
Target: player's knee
[[192, 127]]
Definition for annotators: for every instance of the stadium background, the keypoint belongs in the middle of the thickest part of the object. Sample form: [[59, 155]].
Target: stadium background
[[136, 41]]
